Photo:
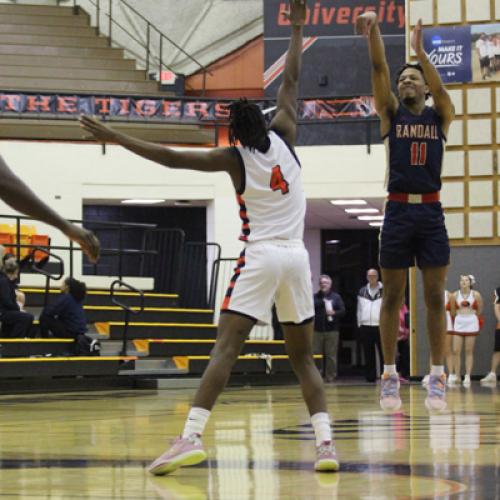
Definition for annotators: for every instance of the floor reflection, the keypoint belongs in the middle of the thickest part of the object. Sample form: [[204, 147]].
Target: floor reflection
[[260, 444]]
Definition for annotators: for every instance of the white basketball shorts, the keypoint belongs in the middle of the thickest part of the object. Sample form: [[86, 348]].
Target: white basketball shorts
[[272, 271]]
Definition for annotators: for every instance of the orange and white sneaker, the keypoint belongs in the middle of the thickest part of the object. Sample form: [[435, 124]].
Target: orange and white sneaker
[[326, 458], [389, 392], [436, 393], [184, 451]]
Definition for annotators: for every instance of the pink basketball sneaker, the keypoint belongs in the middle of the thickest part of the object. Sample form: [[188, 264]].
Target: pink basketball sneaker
[[326, 457], [436, 393], [184, 451], [389, 392]]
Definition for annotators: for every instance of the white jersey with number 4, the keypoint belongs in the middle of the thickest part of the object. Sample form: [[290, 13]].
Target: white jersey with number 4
[[272, 200]]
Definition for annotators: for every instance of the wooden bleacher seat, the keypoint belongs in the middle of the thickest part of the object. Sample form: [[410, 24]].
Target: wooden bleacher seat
[[11, 348], [201, 347], [74, 366], [196, 365]]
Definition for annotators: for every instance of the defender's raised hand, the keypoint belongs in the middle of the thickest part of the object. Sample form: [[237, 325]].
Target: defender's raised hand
[[95, 127], [297, 12], [365, 22]]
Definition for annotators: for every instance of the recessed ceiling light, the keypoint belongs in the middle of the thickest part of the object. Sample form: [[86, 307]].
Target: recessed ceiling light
[[141, 202], [332, 242], [348, 202], [371, 217], [361, 210], [375, 224]]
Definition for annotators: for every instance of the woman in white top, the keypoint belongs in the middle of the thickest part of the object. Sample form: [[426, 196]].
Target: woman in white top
[[466, 307]]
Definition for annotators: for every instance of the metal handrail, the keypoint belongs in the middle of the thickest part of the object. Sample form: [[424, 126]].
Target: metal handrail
[[149, 28], [119, 226], [48, 275], [128, 310]]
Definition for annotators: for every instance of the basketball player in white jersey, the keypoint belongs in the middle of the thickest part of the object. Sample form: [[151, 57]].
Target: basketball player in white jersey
[[273, 267]]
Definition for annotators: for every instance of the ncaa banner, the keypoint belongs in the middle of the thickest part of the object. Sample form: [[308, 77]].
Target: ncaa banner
[[449, 49]]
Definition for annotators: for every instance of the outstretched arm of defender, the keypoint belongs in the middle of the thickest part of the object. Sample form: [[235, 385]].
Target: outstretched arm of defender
[[442, 100], [20, 197], [386, 102], [215, 160], [285, 121]]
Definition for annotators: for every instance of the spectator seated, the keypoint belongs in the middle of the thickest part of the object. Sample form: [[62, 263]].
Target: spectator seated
[[65, 318], [15, 322]]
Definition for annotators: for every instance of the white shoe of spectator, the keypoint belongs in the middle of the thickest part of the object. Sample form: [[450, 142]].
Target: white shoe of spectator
[[466, 382], [425, 380], [452, 379], [490, 379]]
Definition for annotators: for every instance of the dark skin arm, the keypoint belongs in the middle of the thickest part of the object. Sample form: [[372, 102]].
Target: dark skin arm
[[442, 100], [21, 198], [386, 102], [285, 121], [215, 160]]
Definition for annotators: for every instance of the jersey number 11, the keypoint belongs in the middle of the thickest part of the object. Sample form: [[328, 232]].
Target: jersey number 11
[[418, 153]]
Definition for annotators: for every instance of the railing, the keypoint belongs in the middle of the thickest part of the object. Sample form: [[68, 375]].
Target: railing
[[222, 271], [176, 266], [150, 56], [166, 266], [121, 252], [48, 275], [126, 308], [198, 261]]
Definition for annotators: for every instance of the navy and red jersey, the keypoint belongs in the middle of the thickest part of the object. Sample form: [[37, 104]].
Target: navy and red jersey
[[415, 147]]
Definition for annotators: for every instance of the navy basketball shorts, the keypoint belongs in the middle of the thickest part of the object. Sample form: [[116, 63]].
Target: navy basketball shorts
[[413, 231], [497, 340]]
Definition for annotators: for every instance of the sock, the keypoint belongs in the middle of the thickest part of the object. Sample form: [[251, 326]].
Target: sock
[[390, 369], [321, 425], [437, 370], [196, 421]]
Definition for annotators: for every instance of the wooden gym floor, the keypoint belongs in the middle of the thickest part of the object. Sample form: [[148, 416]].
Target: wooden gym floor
[[260, 444]]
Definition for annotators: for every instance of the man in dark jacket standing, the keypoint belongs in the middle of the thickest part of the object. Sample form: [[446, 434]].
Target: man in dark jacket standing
[[15, 323], [329, 308]]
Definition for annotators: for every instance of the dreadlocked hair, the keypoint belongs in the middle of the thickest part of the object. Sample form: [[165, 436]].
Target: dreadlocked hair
[[247, 125]]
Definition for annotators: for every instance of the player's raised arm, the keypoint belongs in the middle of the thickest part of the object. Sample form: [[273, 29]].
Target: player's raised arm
[[285, 121], [442, 100], [386, 102], [215, 160]]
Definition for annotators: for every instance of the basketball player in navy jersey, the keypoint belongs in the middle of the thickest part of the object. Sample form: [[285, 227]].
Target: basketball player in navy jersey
[[413, 227], [273, 267]]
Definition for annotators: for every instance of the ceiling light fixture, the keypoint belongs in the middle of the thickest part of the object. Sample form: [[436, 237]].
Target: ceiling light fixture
[[341, 203], [361, 210], [139, 201], [375, 224], [371, 217]]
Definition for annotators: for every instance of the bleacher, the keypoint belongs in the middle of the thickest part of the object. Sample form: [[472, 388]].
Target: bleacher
[[164, 342]]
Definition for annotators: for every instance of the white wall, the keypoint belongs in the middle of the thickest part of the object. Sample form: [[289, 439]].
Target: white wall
[[65, 174]]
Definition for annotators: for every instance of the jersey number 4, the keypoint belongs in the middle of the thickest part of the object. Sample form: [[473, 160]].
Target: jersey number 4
[[278, 182], [418, 153]]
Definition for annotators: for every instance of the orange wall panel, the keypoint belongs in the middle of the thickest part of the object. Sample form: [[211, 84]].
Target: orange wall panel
[[237, 74]]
